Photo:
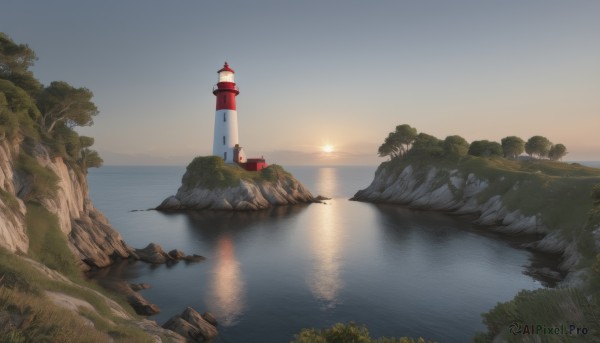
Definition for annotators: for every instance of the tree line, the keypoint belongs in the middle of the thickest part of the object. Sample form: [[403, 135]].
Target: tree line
[[406, 140], [46, 113]]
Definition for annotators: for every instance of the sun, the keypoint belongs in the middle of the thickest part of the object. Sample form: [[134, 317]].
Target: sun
[[327, 148]]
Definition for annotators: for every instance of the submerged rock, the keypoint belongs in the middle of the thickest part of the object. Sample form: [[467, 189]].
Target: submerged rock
[[140, 304], [152, 253], [139, 286], [176, 254], [209, 317], [194, 258]]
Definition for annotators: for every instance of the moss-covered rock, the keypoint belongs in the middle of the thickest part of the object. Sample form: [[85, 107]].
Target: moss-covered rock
[[210, 183]]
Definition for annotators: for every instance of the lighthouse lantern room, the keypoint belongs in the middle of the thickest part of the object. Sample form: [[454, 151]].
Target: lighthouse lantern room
[[225, 141]]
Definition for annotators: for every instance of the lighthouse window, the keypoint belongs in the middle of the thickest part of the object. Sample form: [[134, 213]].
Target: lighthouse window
[[225, 155], [223, 140], [225, 117]]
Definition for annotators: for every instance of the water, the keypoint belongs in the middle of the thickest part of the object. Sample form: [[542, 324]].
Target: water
[[271, 273]]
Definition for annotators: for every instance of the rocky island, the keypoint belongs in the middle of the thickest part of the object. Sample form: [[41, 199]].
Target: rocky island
[[210, 183], [555, 203]]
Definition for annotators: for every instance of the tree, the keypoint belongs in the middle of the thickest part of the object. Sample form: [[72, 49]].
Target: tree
[[512, 146], [15, 60], [398, 143], [538, 146], [62, 103], [485, 148], [389, 147], [85, 141], [17, 110], [557, 152], [90, 158], [456, 145], [404, 137], [427, 144]]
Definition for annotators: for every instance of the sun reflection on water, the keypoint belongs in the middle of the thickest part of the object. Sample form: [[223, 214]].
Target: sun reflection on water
[[325, 280], [226, 296]]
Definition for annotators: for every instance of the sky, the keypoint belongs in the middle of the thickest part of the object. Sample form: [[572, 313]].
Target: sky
[[316, 73]]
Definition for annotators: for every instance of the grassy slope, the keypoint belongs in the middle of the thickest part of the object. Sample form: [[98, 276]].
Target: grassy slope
[[561, 194], [212, 172], [22, 292], [558, 192]]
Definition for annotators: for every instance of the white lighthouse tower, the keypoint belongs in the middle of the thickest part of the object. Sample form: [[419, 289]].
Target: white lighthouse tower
[[226, 142]]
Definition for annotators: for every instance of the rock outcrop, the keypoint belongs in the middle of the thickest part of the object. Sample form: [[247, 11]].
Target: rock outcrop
[[91, 238], [248, 194], [446, 189], [154, 253], [193, 326], [13, 234]]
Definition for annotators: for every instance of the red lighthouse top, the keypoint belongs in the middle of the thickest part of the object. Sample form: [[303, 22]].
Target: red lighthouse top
[[226, 68], [225, 89]]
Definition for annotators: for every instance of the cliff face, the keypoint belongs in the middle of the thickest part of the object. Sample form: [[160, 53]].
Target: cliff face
[[91, 238], [13, 234], [493, 198], [248, 195]]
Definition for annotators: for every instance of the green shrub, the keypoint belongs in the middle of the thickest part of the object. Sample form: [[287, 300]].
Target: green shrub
[[212, 172], [9, 122], [9, 200], [346, 333], [274, 172], [44, 182], [208, 172], [548, 307], [90, 159]]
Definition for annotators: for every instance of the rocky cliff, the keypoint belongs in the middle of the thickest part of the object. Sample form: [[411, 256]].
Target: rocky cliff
[[13, 234], [90, 236], [210, 184], [507, 198]]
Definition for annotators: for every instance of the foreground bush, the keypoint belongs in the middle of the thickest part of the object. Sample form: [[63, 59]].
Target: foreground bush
[[347, 333]]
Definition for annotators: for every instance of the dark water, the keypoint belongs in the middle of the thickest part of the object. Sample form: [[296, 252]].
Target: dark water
[[271, 273]]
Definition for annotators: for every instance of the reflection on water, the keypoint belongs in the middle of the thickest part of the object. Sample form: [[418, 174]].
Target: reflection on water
[[327, 182], [268, 274], [325, 281], [226, 295]]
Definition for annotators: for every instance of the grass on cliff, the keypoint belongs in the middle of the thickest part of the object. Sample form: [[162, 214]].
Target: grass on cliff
[[560, 193], [547, 307], [22, 298], [47, 243], [212, 172], [49, 246], [10, 201], [43, 181]]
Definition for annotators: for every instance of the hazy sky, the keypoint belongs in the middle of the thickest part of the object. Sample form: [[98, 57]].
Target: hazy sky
[[343, 73]]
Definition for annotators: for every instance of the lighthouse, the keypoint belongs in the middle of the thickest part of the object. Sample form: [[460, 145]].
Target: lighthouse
[[225, 141]]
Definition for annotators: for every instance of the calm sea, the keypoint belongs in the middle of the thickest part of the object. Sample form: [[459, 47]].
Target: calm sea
[[271, 273]]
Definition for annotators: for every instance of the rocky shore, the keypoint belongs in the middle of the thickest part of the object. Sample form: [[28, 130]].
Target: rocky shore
[[456, 190]]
